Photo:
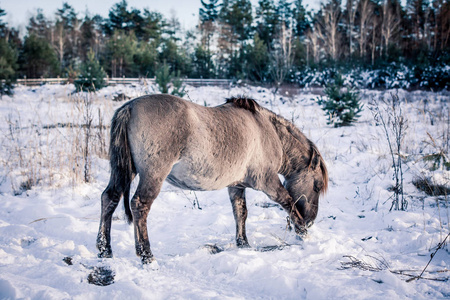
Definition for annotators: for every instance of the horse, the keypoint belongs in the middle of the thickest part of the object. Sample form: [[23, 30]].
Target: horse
[[236, 145]]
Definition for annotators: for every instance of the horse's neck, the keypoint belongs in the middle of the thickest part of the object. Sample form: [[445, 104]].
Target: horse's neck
[[295, 146]]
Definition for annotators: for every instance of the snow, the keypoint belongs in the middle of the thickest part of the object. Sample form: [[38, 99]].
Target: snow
[[58, 217]]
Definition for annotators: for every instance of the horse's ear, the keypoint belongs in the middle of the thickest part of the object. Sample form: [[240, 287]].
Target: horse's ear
[[315, 162], [315, 158]]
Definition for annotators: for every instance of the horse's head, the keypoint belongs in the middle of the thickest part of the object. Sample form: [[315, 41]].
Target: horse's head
[[305, 187]]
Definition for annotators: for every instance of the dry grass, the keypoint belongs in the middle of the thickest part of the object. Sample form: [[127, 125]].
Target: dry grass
[[37, 153]]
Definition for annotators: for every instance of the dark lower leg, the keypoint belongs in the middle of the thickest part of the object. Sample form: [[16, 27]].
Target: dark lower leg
[[237, 197], [140, 210], [110, 200]]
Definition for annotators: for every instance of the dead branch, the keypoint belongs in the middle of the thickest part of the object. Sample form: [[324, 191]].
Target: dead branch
[[381, 264], [439, 246]]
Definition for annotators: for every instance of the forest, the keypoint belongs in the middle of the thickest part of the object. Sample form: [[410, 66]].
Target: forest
[[373, 43]]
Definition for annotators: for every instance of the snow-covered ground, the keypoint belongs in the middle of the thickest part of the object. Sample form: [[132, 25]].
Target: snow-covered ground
[[49, 214]]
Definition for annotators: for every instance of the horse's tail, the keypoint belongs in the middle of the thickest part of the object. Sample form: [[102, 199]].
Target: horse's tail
[[121, 161]]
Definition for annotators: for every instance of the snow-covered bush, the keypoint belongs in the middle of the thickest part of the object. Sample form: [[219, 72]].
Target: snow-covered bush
[[436, 78], [389, 76], [313, 77]]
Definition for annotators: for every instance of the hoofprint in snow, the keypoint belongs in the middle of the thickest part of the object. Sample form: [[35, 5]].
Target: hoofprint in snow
[[48, 232]]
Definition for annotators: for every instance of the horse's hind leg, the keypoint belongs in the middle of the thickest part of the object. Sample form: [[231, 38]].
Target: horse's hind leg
[[237, 197], [110, 200], [147, 191]]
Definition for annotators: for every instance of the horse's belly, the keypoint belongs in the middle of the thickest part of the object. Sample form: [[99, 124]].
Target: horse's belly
[[200, 178]]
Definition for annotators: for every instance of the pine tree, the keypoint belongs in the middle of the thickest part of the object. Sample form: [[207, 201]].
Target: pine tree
[[8, 67], [8, 58], [301, 19], [208, 15], [39, 26], [37, 58], [151, 26], [2, 24], [257, 57], [170, 55], [120, 50], [135, 24], [266, 21], [238, 15], [284, 12], [91, 76], [88, 37], [417, 12], [118, 18], [178, 87], [341, 106], [203, 64], [163, 78], [145, 60], [66, 36], [209, 11]]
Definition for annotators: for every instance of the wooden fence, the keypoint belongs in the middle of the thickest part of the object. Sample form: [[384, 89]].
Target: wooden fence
[[132, 81]]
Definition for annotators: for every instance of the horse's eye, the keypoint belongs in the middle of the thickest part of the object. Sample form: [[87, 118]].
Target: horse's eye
[[318, 185]]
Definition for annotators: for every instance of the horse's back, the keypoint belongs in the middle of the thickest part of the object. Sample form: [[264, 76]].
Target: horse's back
[[196, 147]]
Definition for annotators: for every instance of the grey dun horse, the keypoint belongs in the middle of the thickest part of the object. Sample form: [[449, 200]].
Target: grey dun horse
[[237, 145]]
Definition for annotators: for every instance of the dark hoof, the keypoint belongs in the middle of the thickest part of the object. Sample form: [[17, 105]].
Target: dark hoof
[[105, 254], [68, 260], [146, 260], [242, 243], [101, 276], [244, 246], [213, 248]]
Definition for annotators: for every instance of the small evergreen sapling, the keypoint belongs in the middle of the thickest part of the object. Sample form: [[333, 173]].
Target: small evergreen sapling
[[341, 105], [178, 86], [164, 78], [91, 76]]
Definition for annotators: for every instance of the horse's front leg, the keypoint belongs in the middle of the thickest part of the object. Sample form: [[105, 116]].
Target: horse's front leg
[[237, 197], [110, 200], [276, 192]]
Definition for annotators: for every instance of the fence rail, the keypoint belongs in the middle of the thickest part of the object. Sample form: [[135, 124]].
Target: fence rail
[[119, 80]]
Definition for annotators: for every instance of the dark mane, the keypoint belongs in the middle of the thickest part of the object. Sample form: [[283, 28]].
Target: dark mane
[[245, 103], [315, 158]]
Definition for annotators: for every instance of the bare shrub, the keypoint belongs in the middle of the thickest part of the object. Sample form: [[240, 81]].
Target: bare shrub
[[85, 107], [90, 139], [37, 153], [388, 113]]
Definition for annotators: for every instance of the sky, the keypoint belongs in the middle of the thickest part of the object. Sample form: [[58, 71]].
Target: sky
[[20, 11]]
